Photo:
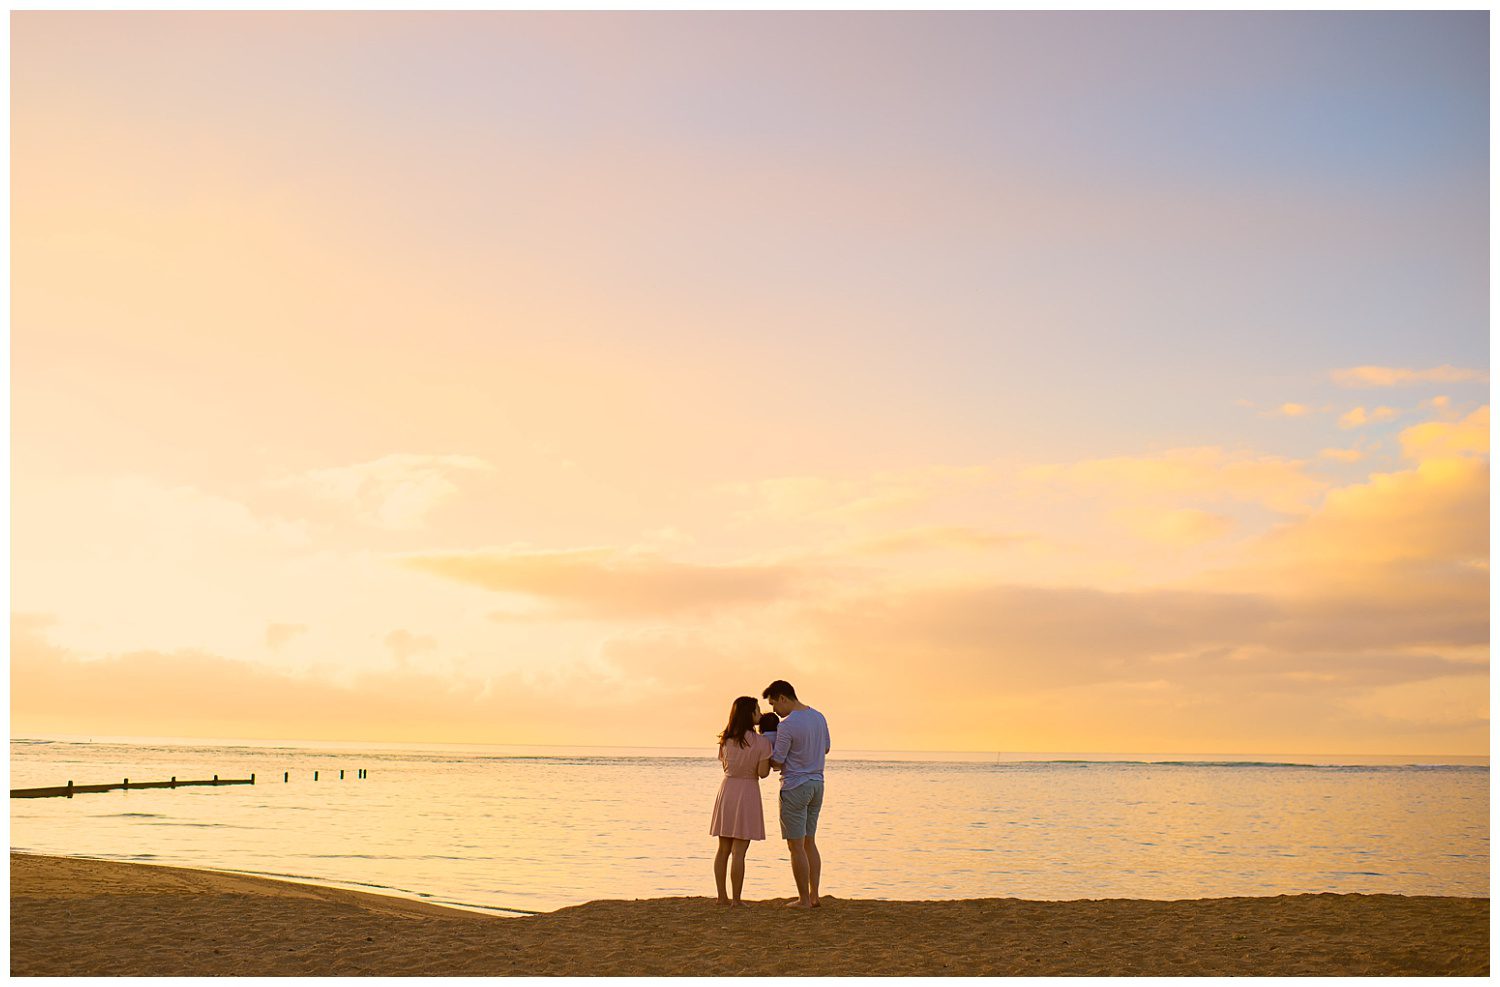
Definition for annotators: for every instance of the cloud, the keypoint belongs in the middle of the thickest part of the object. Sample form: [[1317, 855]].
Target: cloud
[[1436, 510], [404, 644], [202, 694], [279, 634], [607, 583], [395, 492], [851, 499], [183, 518], [1294, 410], [1368, 376], [1356, 417], [194, 693], [1432, 440], [694, 663], [1182, 526], [1019, 638], [1342, 455], [935, 538], [1347, 625], [1210, 474], [1397, 559]]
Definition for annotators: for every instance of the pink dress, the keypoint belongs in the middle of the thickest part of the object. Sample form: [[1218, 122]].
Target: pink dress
[[737, 811]]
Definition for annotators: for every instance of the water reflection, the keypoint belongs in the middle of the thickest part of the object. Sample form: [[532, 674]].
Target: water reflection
[[539, 831]]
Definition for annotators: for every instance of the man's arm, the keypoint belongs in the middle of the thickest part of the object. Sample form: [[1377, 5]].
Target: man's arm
[[782, 749]]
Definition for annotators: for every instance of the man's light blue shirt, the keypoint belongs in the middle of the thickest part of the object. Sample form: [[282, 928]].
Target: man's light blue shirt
[[801, 744]]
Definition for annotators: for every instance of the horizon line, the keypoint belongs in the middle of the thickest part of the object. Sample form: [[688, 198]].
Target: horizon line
[[853, 750]]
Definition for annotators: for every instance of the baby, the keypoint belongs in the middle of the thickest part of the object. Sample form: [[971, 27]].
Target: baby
[[768, 723]]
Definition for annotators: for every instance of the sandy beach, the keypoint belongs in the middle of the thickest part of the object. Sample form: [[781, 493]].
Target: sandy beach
[[74, 917]]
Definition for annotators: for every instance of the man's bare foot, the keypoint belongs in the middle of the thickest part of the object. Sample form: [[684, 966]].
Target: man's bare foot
[[817, 903], [723, 902], [798, 903], [736, 903]]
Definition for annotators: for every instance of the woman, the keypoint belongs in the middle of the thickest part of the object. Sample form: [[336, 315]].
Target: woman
[[738, 817]]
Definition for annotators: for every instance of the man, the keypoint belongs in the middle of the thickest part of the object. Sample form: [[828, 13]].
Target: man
[[801, 744]]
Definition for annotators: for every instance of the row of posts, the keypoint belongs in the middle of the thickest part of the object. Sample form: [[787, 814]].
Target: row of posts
[[126, 782], [285, 777]]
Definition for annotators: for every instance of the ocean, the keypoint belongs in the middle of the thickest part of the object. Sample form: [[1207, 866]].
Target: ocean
[[537, 828]]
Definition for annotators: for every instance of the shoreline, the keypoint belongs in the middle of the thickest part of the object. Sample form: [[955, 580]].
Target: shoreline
[[422, 898], [81, 916], [354, 887]]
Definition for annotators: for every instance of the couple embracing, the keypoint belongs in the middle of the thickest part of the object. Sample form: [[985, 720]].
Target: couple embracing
[[793, 739]]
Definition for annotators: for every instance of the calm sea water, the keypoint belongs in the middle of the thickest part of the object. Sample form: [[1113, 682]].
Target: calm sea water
[[539, 828]]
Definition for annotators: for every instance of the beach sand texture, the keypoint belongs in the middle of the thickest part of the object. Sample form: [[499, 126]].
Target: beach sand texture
[[74, 917]]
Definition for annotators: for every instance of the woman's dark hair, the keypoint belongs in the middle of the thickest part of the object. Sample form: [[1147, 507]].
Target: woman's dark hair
[[781, 687], [741, 721], [768, 722]]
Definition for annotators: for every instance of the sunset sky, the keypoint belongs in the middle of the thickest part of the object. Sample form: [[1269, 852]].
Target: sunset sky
[[1014, 382]]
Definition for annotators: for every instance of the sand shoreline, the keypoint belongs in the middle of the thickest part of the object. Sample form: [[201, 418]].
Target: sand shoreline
[[75, 916], [378, 890]]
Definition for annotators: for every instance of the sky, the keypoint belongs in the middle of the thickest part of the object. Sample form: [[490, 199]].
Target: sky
[[1005, 381]]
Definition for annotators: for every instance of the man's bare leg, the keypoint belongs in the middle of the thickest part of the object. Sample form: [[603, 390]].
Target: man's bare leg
[[799, 873], [721, 864], [737, 868], [814, 869]]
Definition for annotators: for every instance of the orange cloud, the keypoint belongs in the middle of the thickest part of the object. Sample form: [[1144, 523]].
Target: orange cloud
[[395, 492], [404, 644], [279, 634], [843, 499], [1368, 376], [195, 693], [1206, 473], [607, 583], [1180, 526], [936, 538], [1437, 510], [1432, 440], [1355, 417]]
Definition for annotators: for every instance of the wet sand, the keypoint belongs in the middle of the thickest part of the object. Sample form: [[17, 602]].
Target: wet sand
[[74, 917]]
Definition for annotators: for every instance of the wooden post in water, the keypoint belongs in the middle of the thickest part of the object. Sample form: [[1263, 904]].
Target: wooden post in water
[[216, 779], [284, 776], [174, 781], [70, 788], [252, 777], [127, 784], [341, 774], [315, 776]]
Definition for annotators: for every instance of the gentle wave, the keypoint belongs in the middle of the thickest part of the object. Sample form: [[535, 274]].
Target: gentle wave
[[1300, 765]]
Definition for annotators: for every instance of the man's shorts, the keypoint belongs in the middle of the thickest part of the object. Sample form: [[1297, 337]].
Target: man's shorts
[[799, 810]]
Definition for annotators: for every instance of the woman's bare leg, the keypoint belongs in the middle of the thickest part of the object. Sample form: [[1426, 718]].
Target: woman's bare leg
[[721, 864], [737, 869]]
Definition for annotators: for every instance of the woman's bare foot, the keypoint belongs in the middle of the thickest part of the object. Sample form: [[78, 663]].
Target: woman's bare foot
[[736, 903], [799, 903], [723, 902]]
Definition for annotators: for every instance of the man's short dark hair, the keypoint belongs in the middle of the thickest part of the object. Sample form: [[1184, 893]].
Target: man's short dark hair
[[781, 687]]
